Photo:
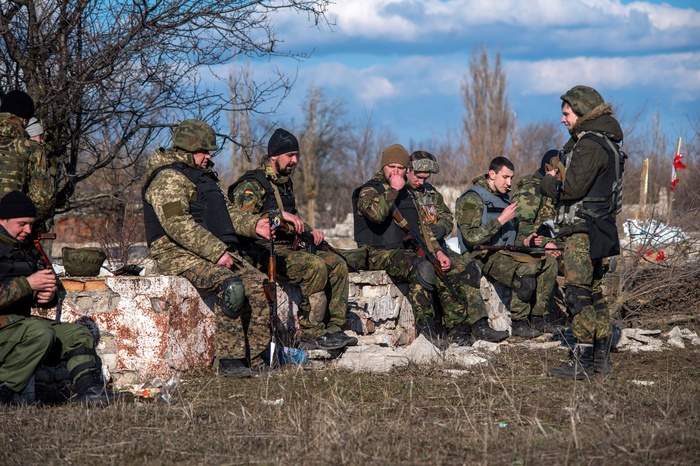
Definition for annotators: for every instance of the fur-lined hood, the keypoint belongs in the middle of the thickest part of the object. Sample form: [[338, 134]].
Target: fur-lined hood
[[599, 119]]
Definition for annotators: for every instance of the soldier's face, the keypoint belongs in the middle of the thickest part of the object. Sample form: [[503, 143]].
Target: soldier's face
[[416, 179], [284, 164], [568, 117], [393, 169], [501, 181], [19, 228], [202, 158]]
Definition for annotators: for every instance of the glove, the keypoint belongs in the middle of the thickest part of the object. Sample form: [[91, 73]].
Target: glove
[[438, 231]]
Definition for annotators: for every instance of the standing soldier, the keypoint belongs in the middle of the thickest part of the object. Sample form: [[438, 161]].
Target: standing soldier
[[192, 231], [322, 276], [438, 218], [587, 190], [486, 216], [24, 165]]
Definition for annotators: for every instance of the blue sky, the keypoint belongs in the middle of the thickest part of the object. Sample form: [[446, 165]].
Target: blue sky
[[404, 61]]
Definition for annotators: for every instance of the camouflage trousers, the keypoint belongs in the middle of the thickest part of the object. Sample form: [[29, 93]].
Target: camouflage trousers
[[593, 322], [245, 337], [321, 271], [32, 341], [401, 265], [505, 268]]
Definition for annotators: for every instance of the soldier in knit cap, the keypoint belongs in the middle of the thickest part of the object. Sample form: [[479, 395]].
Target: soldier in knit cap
[[587, 194], [322, 275], [24, 165]]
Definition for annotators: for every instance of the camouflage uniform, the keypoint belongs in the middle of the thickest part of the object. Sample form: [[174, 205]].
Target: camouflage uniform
[[533, 208], [25, 166], [505, 267], [27, 341], [320, 272], [190, 250]]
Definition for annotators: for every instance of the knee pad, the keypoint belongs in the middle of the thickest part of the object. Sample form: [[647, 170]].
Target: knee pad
[[576, 299], [528, 286], [425, 274], [473, 274], [232, 297]]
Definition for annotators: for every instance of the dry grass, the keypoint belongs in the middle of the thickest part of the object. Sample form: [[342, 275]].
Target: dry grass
[[508, 412]]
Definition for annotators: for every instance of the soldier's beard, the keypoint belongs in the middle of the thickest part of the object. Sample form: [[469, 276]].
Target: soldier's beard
[[286, 171]]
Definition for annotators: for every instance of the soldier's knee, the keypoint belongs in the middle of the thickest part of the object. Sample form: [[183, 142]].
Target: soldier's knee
[[232, 297], [39, 331], [525, 287], [425, 274], [576, 299]]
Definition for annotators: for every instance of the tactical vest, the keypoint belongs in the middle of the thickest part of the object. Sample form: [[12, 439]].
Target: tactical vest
[[13, 170], [493, 206], [605, 196], [17, 262], [208, 209], [385, 235], [286, 191]]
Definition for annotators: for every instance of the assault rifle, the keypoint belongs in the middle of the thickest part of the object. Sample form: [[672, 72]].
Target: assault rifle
[[423, 251], [270, 289], [311, 247], [523, 249], [60, 289]]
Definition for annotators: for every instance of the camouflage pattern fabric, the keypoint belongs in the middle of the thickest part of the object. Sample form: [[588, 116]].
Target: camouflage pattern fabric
[[533, 208], [432, 208], [468, 217], [580, 270], [186, 243], [194, 136], [247, 336], [24, 166]]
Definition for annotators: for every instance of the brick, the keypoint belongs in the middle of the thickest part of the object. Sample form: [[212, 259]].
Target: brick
[[73, 285]]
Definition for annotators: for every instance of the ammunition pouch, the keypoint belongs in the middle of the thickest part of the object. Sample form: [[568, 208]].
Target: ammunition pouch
[[232, 297]]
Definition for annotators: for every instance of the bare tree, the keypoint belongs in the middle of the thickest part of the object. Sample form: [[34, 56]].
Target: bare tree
[[109, 76], [487, 119]]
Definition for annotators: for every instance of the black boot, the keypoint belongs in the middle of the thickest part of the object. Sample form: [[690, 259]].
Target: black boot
[[522, 328], [92, 391], [581, 365], [541, 324], [429, 328], [235, 368], [482, 331], [601, 356], [460, 334]]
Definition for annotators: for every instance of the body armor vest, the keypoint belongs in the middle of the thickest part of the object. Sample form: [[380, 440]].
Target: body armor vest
[[208, 209], [605, 196], [493, 206], [17, 262], [385, 235]]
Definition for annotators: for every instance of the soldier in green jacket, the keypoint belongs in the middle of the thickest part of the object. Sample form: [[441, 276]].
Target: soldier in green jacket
[[193, 231]]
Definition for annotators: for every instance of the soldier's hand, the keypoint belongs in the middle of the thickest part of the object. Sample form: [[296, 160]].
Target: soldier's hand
[[397, 181], [445, 262], [44, 297], [508, 214], [552, 250], [43, 280], [318, 236], [262, 228], [533, 241], [226, 260], [294, 220]]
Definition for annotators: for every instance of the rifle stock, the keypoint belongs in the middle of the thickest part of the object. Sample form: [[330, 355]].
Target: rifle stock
[[523, 249], [60, 289], [307, 238]]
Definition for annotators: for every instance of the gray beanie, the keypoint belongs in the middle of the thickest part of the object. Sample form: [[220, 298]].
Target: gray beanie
[[34, 128]]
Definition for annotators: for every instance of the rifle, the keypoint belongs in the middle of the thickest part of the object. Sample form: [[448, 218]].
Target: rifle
[[307, 238], [60, 289], [270, 289], [523, 249], [423, 251]]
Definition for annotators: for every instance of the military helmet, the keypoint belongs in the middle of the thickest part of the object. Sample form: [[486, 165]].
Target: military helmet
[[582, 99], [83, 262], [194, 136]]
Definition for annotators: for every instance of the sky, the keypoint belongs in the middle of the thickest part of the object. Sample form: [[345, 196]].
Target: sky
[[404, 61]]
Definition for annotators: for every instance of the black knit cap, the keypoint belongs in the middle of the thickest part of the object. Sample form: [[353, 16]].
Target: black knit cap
[[546, 158], [17, 103], [16, 204], [281, 142]]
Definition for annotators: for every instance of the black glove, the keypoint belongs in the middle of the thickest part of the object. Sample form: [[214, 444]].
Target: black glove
[[438, 231]]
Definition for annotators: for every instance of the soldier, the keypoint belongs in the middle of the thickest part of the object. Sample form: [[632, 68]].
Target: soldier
[[485, 216], [26, 341], [322, 276], [535, 222], [587, 191], [192, 231], [438, 218], [24, 164]]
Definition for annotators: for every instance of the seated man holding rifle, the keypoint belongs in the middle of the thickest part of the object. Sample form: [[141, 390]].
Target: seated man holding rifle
[[321, 273], [487, 228]]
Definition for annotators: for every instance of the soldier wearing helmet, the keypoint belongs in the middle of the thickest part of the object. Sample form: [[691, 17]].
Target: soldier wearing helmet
[[192, 230]]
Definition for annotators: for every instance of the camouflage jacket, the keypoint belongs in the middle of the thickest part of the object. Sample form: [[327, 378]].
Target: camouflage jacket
[[25, 166], [468, 210], [185, 242], [432, 208], [533, 208], [377, 207], [249, 195]]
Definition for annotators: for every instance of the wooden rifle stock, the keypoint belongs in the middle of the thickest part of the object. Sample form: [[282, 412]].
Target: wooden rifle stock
[[523, 249], [60, 289]]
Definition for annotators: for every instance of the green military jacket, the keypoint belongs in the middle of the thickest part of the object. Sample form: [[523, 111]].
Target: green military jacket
[[433, 210], [533, 208], [185, 243], [468, 212]]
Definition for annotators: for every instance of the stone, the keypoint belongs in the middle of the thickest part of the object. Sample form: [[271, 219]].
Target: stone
[[372, 358]]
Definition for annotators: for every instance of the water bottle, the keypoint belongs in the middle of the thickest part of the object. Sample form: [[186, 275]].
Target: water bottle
[[296, 356]]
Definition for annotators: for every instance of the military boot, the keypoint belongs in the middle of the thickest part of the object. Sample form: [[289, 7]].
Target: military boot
[[522, 328], [235, 368], [460, 334], [601, 356], [430, 329], [580, 367], [541, 324], [25, 397], [482, 331], [92, 391]]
